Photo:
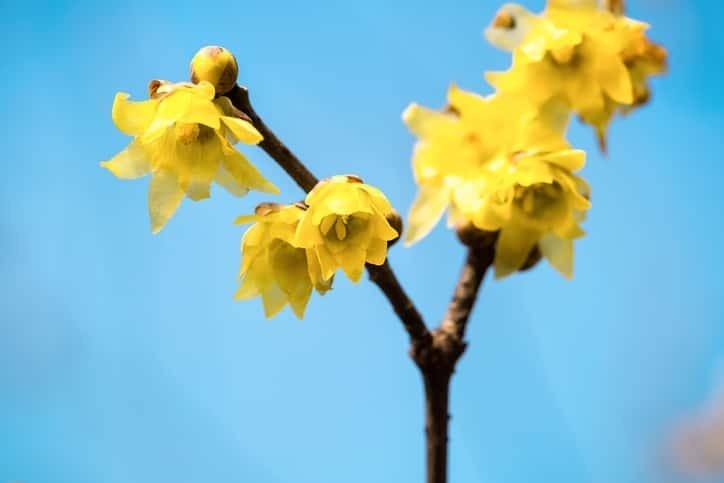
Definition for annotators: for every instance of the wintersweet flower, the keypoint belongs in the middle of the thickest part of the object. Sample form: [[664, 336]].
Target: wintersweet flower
[[345, 227], [458, 148], [591, 59], [501, 166], [272, 266], [533, 199], [183, 137]]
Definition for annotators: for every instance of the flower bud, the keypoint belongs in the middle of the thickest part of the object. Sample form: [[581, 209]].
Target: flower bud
[[215, 65], [395, 221], [471, 236]]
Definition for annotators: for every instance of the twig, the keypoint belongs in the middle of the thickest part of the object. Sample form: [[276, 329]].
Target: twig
[[436, 353], [382, 276], [481, 253], [239, 97], [437, 362], [385, 279]]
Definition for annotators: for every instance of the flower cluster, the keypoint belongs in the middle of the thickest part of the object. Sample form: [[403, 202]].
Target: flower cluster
[[292, 249], [596, 62], [501, 163]]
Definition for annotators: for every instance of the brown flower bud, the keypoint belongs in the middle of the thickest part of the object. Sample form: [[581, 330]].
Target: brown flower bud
[[395, 221], [471, 236]]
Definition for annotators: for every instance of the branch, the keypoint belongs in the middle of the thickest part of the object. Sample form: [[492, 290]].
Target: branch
[[385, 279], [437, 360], [276, 149], [481, 252], [382, 276]]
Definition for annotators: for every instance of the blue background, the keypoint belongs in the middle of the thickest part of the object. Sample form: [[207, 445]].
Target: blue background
[[123, 357]]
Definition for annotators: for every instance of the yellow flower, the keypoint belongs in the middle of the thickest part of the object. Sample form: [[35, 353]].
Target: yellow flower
[[272, 266], [502, 166], [532, 199], [577, 52], [183, 138], [643, 59], [459, 147], [345, 226]]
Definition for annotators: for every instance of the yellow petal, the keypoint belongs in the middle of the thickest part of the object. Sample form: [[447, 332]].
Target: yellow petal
[[352, 262], [425, 212], [246, 173], [132, 117], [615, 80], [570, 159], [299, 303], [424, 122], [130, 163], [205, 90], [327, 263], [382, 229], [248, 289], [200, 110], [164, 197], [245, 219], [227, 181], [198, 166], [572, 4], [242, 130], [273, 299], [514, 245], [377, 252], [559, 252]]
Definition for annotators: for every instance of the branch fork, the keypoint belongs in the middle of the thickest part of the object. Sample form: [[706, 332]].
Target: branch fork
[[435, 352]]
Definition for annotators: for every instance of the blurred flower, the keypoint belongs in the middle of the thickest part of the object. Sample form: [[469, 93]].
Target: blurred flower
[[595, 61], [183, 138], [272, 266], [699, 441], [503, 166], [345, 227]]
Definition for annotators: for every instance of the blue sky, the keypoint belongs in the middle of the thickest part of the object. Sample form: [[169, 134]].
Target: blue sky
[[124, 359]]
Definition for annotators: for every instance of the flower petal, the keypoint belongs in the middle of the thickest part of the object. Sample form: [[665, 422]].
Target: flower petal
[[352, 262], [425, 123], [227, 181], [425, 212], [513, 248], [245, 173], [132, 117], [130, 163], [615, 80], [377, 252], [559, 252], [273, 299], [164, 197], [242, 130]]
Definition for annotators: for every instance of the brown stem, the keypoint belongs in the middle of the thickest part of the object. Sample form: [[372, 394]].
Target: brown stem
[[479, 258], [276, 149], [437, 361], [385, 279], [436, 353], [437, 391]]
